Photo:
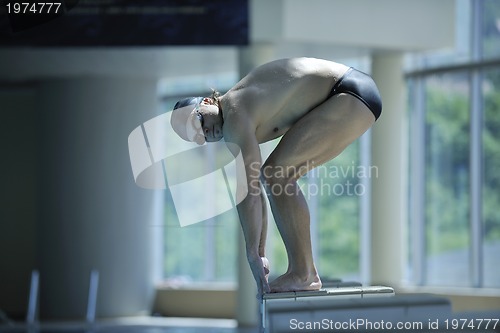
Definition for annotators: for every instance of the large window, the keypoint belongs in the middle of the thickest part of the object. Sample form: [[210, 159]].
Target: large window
[[455, 155], [447, 182]]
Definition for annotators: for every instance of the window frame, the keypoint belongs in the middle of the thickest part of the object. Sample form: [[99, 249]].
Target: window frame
[[474, 67]]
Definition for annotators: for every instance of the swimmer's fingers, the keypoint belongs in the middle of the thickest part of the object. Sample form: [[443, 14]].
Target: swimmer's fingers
[[258, 271]]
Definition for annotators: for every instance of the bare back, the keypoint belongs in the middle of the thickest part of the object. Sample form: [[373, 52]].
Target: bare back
[[276, 95]]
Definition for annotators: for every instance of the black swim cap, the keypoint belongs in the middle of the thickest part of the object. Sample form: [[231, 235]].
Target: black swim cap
[[187, 101]]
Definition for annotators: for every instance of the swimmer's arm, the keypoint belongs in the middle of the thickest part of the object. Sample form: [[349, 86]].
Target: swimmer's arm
[[250, 210]]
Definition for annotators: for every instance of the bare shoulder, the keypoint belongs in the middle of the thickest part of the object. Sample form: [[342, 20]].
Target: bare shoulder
[[302, 65], [317, 66], [299, 62], [284, 70]]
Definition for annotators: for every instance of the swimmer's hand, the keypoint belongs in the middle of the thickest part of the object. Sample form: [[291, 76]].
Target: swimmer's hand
[[260, 271]]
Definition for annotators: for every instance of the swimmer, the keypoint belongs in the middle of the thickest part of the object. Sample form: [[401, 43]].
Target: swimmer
[[318, 108]]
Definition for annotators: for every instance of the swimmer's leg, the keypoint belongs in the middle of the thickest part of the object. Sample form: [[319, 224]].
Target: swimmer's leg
[[319, 136]]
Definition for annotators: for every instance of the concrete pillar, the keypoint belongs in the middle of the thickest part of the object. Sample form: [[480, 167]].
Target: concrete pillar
[[247, 305], [389, 154], [91, 213], [17, 196]]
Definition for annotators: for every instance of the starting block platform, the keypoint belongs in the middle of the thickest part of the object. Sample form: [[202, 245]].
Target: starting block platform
[[343, 304], [277, 306], [349, 292]]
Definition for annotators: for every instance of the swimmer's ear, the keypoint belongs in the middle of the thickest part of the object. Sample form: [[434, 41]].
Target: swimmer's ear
[[208, 100]]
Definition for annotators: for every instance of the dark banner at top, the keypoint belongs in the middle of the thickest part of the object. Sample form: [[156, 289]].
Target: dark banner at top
[[124, 22]]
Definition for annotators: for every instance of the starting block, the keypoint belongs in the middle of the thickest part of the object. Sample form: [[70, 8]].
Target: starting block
[[281, 309]]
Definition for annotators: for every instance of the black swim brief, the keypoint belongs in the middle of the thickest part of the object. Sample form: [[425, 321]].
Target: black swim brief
[[361, 86]]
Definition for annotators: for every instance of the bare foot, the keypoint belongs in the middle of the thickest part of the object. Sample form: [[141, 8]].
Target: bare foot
[[292, 282]]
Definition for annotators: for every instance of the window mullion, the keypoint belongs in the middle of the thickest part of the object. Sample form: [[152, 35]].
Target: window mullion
[[476, 181], [365, 210], [476, 255]]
